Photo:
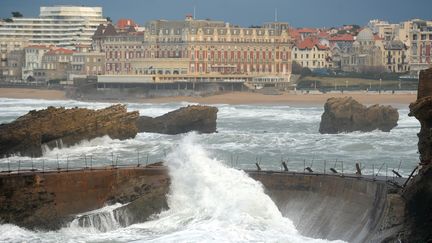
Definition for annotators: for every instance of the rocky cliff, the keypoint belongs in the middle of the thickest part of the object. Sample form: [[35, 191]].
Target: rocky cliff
[[348, 115], [418, 193], [50, 126], [191, 118]]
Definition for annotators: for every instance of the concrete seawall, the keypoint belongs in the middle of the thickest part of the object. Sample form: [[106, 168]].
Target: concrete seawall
[[47, 200], [321, 206], [336, 207]]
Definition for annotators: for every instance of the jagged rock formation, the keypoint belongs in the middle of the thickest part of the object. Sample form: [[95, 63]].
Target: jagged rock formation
[[28, 133], [348, 115], [191, 118], [418, 193]]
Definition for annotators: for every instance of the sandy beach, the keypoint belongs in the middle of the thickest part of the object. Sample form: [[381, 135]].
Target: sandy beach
[[285, 98]]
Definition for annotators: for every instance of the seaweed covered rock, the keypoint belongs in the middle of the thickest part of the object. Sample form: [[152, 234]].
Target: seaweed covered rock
[[347, 115]]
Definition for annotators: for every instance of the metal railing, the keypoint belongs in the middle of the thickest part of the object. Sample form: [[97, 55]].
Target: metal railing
[[373, 171]]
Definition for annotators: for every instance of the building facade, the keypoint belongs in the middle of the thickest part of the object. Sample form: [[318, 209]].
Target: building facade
[[395, 57], [420, 38], [169, 51], [33, 55], [62, 26], [55, 66], [365, 55], [8, 45], [311, 54]]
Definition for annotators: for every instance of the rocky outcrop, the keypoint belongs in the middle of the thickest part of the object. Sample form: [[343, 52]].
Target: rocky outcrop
[[348, 115], [191, 118], [53, 126], [418, 193]]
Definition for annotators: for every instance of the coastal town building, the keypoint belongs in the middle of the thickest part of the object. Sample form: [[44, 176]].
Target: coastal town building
[[420, 40], [192, 50], [365, 54], [14, 65], [33, 55], [395, 56], [85, 64], [312, 54], [8, 45], [54, 66], [62, 26]]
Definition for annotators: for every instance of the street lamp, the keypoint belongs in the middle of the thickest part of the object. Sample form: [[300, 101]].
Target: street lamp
[[380, 84]]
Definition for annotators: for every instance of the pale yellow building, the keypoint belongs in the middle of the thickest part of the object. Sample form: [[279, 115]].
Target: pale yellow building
[[311, 54]]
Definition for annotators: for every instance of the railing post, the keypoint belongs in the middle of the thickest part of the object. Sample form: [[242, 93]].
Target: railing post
[[325, 164]]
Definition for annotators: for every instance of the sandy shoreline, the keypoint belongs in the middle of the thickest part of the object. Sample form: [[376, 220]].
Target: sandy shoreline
[[286, 98]]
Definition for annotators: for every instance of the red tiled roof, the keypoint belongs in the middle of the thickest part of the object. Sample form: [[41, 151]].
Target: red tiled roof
[[309, 43], [342, 37], [307, 30], [123, 23], [323, 34], [294, 34]]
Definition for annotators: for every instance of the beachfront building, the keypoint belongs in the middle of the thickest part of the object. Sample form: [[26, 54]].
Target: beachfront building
[[62, 26], [312, 54], [87, 64], [395, 56], [120, 47], [33, 59], [54, 66], [8, 45], [197, 51], [420, 41]]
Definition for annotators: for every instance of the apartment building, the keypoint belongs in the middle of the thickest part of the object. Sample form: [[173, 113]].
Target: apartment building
[[8, 45], [54, 66], [62, 26], [420, 38]]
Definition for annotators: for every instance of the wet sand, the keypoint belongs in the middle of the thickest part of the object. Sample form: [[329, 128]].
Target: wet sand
[[18, 93], [285, 98]]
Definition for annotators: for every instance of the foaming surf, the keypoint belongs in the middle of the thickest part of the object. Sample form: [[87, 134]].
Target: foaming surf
[[208, 202]]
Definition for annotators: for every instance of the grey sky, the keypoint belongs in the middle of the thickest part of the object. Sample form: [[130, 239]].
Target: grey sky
[[313, 13]]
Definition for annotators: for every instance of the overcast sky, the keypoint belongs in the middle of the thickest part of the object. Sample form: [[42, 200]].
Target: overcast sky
[[312, 13]]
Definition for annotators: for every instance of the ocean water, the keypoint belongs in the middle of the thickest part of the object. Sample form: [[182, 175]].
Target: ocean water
[[246, 134], [203, 166]]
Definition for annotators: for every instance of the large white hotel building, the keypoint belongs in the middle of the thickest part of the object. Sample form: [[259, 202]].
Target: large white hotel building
[[63, 26]]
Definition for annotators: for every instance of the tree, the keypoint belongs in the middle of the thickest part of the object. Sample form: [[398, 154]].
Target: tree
[[296, 67], [109, 19], [17, 14]]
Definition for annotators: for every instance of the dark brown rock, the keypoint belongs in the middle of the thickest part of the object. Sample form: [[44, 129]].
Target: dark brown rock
[[191, 118], [28, 133], [418, 193], [348, 115]]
